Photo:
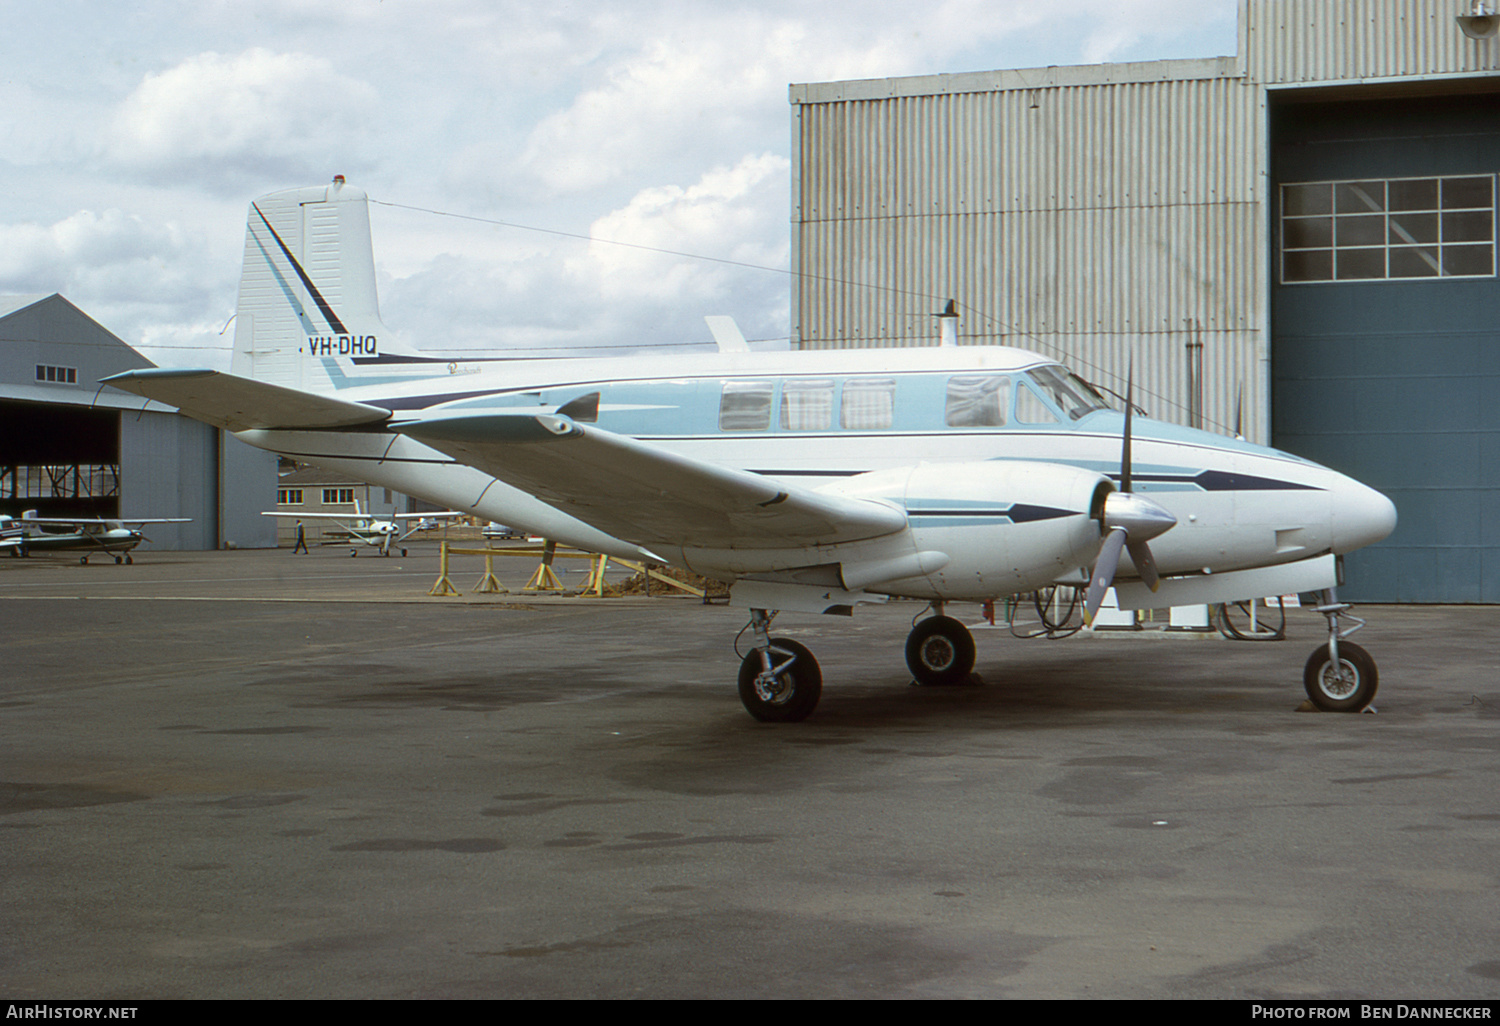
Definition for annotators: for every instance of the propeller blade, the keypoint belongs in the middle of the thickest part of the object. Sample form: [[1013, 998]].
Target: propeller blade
[[1145, 564], [1104, 572]]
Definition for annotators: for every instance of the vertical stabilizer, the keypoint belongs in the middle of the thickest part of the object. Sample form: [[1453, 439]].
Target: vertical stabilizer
[[307, 310]]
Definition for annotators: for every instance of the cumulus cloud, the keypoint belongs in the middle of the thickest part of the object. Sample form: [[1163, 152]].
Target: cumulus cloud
[[731, 213], [145, 281], [225, 120], [651, 291]]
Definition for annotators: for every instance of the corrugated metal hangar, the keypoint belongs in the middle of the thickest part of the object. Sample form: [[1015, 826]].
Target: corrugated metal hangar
[[1304, 232], [69, 448]]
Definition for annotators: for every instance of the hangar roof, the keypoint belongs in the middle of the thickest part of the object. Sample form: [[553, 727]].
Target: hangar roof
[[53, 352]]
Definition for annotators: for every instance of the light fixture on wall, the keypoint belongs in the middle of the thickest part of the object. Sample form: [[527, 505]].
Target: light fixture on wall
[[1481, 22]]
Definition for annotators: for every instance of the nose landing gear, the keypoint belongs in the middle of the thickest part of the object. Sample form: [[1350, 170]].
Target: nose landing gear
[[1340, 676]]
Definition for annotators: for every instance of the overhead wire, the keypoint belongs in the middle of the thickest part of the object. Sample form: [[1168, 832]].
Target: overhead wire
[[1002, 327]]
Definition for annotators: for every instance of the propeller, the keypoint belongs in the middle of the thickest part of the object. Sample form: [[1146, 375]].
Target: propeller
[[1129, 521]]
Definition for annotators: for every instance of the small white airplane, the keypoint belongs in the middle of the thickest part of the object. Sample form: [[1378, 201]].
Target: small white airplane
[[810, 481], [368, 529], [31, 533]]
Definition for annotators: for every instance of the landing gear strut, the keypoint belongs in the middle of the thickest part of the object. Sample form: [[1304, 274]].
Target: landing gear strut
[[779, 679], [939, 651], [1340, 676]]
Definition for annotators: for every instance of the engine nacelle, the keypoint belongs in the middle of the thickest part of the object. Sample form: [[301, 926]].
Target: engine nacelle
[[1007, 526]]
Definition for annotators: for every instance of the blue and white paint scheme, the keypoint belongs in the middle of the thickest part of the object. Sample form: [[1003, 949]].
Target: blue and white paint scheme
[[810, 481]]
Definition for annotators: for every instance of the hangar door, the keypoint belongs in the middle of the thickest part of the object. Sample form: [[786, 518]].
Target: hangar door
[[1385, 326]]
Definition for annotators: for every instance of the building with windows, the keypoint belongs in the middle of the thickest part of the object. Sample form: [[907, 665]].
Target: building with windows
[[71, 448], [1296, 241]]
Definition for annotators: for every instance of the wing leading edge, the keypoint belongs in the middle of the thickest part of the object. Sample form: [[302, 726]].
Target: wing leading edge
[[647, 495], [239, 404]]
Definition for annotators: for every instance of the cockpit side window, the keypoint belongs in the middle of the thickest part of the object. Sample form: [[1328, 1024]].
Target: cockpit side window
[[1072, 394], [1030, 409], [807, 404], [977, 401], [746, 405]]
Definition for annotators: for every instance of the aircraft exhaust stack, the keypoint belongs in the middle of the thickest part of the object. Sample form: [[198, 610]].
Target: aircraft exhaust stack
[[948, 325]]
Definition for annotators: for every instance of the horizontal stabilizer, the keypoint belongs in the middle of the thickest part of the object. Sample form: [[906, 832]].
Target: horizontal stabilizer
[[648, 495], [239, 404]]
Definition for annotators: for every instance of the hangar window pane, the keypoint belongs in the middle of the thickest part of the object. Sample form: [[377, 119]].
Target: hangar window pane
[[1413, 194], [1359, 231], [1414, 262], [1469, 260], [1411, 229], [1309, 232], [1468, 192], [1406, 228], [1356, 264], [1299, 200], [746, 406], [1307, 265], [1468, 226], [1359, 197]]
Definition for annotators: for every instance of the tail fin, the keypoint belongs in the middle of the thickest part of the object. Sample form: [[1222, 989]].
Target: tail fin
[[307, 311]]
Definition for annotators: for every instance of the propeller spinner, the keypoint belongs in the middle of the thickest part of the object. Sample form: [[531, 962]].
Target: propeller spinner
[[1129, 521]]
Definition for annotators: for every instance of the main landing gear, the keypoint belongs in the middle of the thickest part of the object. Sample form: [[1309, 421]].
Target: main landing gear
[[1340, 676], [940, 650], [780, 681]]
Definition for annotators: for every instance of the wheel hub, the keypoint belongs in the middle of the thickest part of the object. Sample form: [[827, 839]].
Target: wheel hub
[[937, 653], [1339, 681], [774, 688]]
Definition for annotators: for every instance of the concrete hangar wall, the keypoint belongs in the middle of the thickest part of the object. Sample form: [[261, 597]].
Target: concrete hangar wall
[[69, 448], [1317, 211]]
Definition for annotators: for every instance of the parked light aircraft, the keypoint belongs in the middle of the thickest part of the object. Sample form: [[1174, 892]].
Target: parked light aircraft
[[811, 481], [363, 529], [31, 533]]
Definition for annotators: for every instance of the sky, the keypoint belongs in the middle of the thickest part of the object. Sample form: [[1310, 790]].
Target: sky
[[133, 137]]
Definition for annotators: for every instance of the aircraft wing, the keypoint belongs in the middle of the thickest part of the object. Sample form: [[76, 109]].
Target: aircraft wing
[[239, 404], [80, 521], [293, 515], [644, 494]]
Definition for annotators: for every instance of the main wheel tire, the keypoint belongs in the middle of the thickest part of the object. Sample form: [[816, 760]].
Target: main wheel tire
[[797, 688], [1349, 687], [940, 650]]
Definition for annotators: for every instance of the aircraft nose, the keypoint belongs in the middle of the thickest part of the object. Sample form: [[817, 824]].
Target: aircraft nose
[[1361, 516]]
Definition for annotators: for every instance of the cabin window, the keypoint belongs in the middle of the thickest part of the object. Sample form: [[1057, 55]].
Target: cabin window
[[977, 401], [1399, 228], [1030, 409], [869, 404], [807, 404], [746, 406]]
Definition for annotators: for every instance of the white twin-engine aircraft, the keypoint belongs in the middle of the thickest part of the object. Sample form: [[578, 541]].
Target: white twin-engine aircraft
[[810, 481]]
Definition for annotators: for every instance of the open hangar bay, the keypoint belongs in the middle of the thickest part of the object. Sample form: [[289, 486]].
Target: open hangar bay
[[247, 774]]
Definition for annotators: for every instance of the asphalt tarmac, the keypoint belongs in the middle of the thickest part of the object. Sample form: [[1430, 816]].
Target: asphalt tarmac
[[259, 775]]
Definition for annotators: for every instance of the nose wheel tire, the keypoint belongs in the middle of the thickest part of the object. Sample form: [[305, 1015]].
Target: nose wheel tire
[[940, 650], [1348, 687], [788, 695]]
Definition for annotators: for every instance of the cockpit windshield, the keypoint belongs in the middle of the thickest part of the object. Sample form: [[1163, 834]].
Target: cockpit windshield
[[1072, 394]]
